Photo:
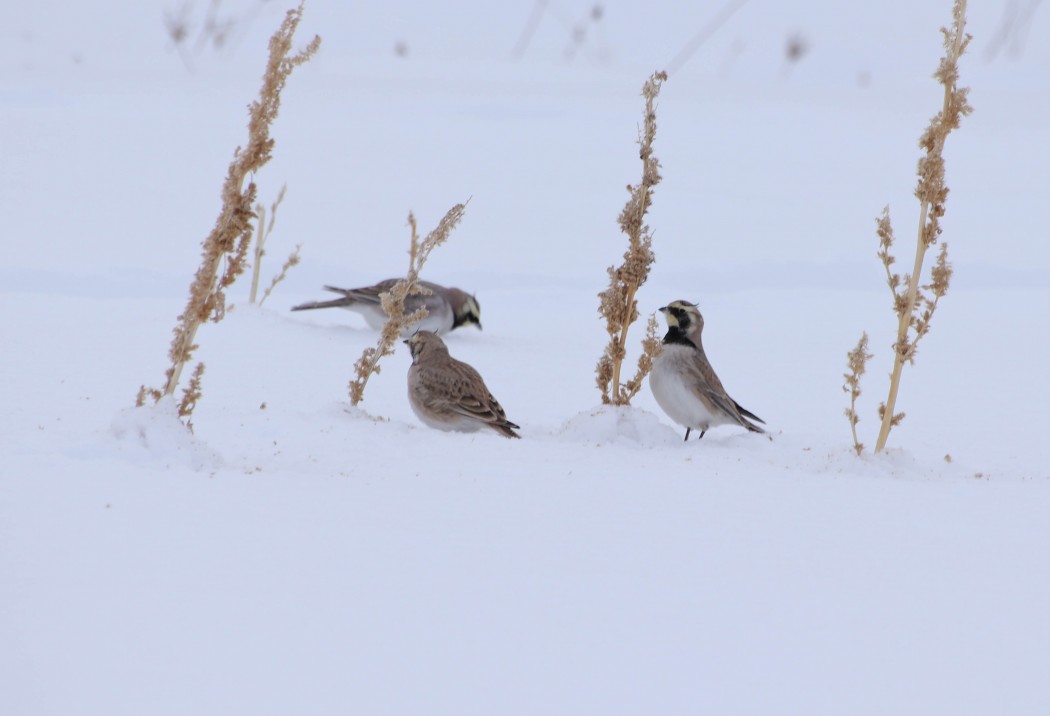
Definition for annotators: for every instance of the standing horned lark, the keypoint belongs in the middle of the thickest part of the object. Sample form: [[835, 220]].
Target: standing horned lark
[[447, 308], [448, 394], [683, 382]]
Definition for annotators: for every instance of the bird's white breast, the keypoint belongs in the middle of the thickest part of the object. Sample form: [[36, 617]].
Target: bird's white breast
[[439, 321], [671, 385]]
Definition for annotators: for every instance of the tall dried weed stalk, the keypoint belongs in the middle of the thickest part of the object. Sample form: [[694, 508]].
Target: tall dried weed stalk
[[618, 305], [225, 249], [914, 303], [393, 301]]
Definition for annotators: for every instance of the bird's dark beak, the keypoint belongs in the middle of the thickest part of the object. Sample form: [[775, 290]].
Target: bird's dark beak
[[478, 324], [662, 309]]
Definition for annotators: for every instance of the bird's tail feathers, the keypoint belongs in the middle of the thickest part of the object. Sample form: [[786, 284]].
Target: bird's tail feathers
[[745, 413], [506, 428], [334, 303], [365, 295]]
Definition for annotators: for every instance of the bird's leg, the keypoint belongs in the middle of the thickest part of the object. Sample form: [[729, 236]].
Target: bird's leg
[[702, 434], [687, 434]]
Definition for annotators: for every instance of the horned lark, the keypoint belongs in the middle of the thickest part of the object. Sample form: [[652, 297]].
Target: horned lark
[[448, 394], [683, 382], [447, 308]]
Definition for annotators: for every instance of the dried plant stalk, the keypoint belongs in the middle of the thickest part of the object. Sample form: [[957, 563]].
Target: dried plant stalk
[[858, 359], [915, 304], [394, 300], [652, 346], [617, 304], [292, 260], [191, 395], [230, 239], [262, 235]]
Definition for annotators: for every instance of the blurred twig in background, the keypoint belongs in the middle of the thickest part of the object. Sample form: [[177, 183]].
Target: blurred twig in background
[[704, 34], [578, 32], [215, 29], [1013, 29]]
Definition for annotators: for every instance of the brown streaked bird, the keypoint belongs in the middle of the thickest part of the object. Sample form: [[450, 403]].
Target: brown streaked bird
[[683, 381], [447, 308], [448, 394]]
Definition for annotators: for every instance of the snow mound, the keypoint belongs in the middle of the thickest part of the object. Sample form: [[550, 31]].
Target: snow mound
[[617, 424], [155, 433]]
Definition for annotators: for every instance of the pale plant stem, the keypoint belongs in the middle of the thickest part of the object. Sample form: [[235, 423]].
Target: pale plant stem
[[623, 345], [887, 416], [258, 254], [190, 336], [902, 332], [853, 418], [176, 372], [371, 369], [173, 382], [853, 425], [195, 322]]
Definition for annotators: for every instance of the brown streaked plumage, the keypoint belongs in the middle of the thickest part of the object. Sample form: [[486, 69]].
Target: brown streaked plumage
[[683, 381], [448, 394]]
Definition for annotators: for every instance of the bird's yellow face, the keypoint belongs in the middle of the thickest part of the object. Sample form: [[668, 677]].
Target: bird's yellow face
[[682, 315], [465, 308], [471, 311]]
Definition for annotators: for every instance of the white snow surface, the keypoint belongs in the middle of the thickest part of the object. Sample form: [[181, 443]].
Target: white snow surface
[[295, 555]]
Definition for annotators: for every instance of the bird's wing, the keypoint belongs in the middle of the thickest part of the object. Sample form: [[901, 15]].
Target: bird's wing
[[365, 294], [706, 386], [465, 393], [434, 301]]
